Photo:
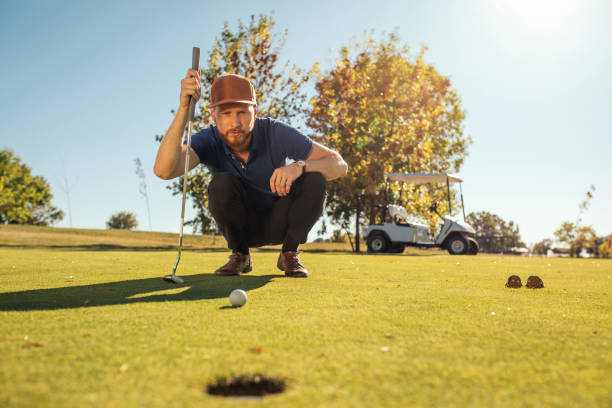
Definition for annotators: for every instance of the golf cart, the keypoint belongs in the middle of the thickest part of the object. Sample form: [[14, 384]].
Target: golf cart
[[456, 236]]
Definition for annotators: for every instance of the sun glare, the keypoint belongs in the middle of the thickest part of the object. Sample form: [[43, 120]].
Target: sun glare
[[542, 16], [555, 23]]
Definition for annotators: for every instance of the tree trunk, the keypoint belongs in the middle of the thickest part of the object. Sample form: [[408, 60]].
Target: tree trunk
[[357, 216], [372, 211], [348, 234]]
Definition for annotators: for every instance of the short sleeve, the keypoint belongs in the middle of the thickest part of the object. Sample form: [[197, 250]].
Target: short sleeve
[[288, 142], [204, 144]]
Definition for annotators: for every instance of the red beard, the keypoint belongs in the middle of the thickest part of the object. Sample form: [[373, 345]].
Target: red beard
[[236, 139]]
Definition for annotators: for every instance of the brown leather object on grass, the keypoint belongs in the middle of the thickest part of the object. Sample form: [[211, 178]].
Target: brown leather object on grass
[[534, 282], [514, 282]]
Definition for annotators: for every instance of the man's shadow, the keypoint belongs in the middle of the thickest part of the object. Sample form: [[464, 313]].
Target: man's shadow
[[196, 287]]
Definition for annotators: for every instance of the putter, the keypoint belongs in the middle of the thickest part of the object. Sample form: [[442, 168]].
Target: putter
[[172, 278]]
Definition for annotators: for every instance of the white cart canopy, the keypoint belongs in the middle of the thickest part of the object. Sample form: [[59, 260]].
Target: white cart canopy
[[423, 178]]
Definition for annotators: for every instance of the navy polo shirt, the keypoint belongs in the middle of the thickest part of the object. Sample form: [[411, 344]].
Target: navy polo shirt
[[272, 143]]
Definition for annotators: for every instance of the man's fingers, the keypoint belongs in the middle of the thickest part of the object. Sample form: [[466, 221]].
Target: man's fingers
[[193, 73], [192, 90], [273, 182], [190, 82], [280, 182], [190, 87], [283, 185], [288, 186], [280, 185]]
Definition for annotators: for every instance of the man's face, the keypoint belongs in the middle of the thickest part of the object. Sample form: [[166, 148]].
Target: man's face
[[235, 122]]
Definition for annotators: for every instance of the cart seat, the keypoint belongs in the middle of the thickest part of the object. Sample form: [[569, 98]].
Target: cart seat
[[398, 214]]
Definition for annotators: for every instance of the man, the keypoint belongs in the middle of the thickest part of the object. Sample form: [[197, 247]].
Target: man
[[255, 197]]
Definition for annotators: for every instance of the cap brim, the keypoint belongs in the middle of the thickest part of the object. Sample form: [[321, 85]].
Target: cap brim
[[223, 102]]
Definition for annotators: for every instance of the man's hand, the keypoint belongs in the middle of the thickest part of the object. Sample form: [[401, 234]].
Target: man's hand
[[190, 87], [283, 177]]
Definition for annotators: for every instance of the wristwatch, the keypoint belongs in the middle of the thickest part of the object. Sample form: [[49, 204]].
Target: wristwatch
[[302, 165]]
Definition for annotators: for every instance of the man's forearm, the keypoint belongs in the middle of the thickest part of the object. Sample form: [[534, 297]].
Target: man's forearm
[[167, 163], [332, 167]]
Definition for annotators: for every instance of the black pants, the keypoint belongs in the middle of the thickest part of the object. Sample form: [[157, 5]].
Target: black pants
[[289, 220]]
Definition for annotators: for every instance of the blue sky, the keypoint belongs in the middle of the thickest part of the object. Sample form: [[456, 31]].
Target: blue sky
[[86, 85]]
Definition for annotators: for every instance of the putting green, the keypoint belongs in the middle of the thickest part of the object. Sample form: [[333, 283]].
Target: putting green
[[101, 328]]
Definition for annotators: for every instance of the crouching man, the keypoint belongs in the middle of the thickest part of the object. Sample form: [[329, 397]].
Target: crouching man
[[255, 198]]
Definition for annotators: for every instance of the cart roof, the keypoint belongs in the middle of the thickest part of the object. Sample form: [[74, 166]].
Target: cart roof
[[423, 178]]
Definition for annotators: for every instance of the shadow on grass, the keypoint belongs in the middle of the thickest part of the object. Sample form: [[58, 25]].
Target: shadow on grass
[[196, 287], [109, 247], [115, 247]]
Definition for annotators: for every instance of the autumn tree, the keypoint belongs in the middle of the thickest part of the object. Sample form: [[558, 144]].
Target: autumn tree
[[24, 198], [605, 248], [385, 111], [577, 236], [251, 50]]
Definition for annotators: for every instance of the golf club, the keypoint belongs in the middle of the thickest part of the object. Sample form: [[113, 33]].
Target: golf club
[[172, 278]]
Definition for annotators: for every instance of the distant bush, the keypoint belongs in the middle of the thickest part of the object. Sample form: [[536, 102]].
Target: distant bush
[[542, 247], [493, 233], [122, 220], [604, 250], [338, 236]]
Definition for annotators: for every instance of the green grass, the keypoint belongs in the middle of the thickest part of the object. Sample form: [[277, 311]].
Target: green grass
[[104, 330]]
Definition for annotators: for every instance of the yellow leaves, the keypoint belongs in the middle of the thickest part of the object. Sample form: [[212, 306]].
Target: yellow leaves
[[384, 112]]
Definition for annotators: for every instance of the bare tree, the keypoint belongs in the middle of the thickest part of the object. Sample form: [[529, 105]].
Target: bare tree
[[143, 188], [66, 187]]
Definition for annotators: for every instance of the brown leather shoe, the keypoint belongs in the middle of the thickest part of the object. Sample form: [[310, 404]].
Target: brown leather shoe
[[290, 263], [238, 263]]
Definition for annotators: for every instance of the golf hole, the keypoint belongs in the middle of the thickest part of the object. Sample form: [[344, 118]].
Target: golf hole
[[254, 386]]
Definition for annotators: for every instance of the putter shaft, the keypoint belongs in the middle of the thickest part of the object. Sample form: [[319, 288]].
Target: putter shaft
[[180, 246], [195, 63]]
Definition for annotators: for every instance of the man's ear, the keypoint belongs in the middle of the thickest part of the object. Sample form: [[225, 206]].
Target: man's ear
[[212, 114], [255, 111]]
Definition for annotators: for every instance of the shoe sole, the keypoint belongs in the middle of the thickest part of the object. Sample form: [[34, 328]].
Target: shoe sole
[[247, 270], [305, 275]]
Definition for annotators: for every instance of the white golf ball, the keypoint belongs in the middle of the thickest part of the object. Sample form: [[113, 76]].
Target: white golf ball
[[238, 297]]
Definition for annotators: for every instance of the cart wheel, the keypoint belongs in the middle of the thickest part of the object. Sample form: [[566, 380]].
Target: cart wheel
[[377, 243], [457, 245], [473, 246]]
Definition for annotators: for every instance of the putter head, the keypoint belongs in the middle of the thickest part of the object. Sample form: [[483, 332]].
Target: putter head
[[173, 279]]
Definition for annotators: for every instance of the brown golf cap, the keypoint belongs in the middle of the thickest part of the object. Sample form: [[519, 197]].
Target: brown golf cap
[[231, 88]]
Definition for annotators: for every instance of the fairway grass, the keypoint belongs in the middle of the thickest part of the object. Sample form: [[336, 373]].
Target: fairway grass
[[100, 328]]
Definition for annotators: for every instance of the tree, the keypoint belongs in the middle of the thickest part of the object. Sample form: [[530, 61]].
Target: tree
[[197, 188], [253, 51], [605, 249], [542, 247], [586, 239], [384, 111], [122, 220], [24, 199], [577, 236], [142, 188], [493, 233]]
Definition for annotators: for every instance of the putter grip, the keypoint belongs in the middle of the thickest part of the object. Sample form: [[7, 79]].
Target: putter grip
[[195, 65]]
